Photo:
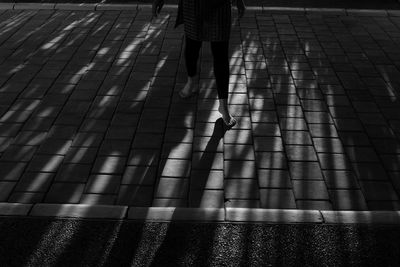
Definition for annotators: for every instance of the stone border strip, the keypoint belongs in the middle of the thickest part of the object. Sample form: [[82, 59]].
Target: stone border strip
[[267, 9], [171, 214]]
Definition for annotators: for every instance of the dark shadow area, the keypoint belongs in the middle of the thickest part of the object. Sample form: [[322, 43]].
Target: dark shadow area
[[359, 4], [124, 243]]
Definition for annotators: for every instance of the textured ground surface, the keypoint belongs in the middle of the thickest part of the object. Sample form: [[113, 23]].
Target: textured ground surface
[[365, 4], [89, 112], [45, 242]]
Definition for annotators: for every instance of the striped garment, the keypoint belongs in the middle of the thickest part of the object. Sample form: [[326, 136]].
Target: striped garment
[[202, 22]]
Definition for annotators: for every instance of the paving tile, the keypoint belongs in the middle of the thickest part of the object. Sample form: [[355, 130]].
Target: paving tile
[[300, 153], [314, 205], [348, 200], [383, 205], [30, 138], [73, 173], [65, 193], [318, 117], [5, 190], [62, 132], [172, 188], [147, 141], [241, 189], [277, 199], [354, 139], [109, 165], [293, 124], [305, 189], [266, 129], [12, 130], [269, 143], [208, 144], [98, 199], [18, 153], [238, 152], [243, 203], [206, 198], [335, 179], [271, 160], [362, 154], [268, 178], [179, 135], [175, 168], [207, 179], [348, 124], [26, 197], [144, 157], [322, 130], [110, 147], [386, 146], [334, 161], [290, 112], [369, 171], [170, 202], [103, 184], [328, 145], [391, 162], [296, 138], [305, 170], [239, 169], [34, 182], [238, 137], [55, 146], [377, 190], [177, 151], [207, 160], [139, 175], [263, 116], [120, 133], [186, 121], [77, 155], [93, 125], [45, 163], [208, 129], [87, 139], [135, 195]]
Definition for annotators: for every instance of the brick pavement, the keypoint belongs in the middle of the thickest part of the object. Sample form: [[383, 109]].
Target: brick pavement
[[90, 112]]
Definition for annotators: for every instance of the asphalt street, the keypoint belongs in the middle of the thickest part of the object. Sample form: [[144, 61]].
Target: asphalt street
[[72, 242]]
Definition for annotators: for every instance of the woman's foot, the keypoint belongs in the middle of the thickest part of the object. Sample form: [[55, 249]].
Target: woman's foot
[[226, 116], [189, 89]]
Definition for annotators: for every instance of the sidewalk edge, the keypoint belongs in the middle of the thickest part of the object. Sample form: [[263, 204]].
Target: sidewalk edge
[[222, 215], [138, 6]]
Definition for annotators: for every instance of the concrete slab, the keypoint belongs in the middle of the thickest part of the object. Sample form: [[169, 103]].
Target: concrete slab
[[273, 215], [14, 209], [367, 12], [116, 7], [176, 214], [369, 217], [5, 6], [35, 6], [79, 211], [66, 6], [330, 11], [270, 9]]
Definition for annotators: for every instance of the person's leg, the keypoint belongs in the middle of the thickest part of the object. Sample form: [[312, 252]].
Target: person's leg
[[192, 50], [220, 51]]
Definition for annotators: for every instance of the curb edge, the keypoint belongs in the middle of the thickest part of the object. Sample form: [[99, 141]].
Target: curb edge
[[219, 215]]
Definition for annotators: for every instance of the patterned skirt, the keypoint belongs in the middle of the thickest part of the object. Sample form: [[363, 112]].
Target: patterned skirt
[[203, 22]]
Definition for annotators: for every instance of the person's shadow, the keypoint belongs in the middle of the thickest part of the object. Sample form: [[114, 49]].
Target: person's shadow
[[203, 167]]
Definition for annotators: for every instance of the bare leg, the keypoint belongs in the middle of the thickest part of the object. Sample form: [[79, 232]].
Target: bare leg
[[192, 49]]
